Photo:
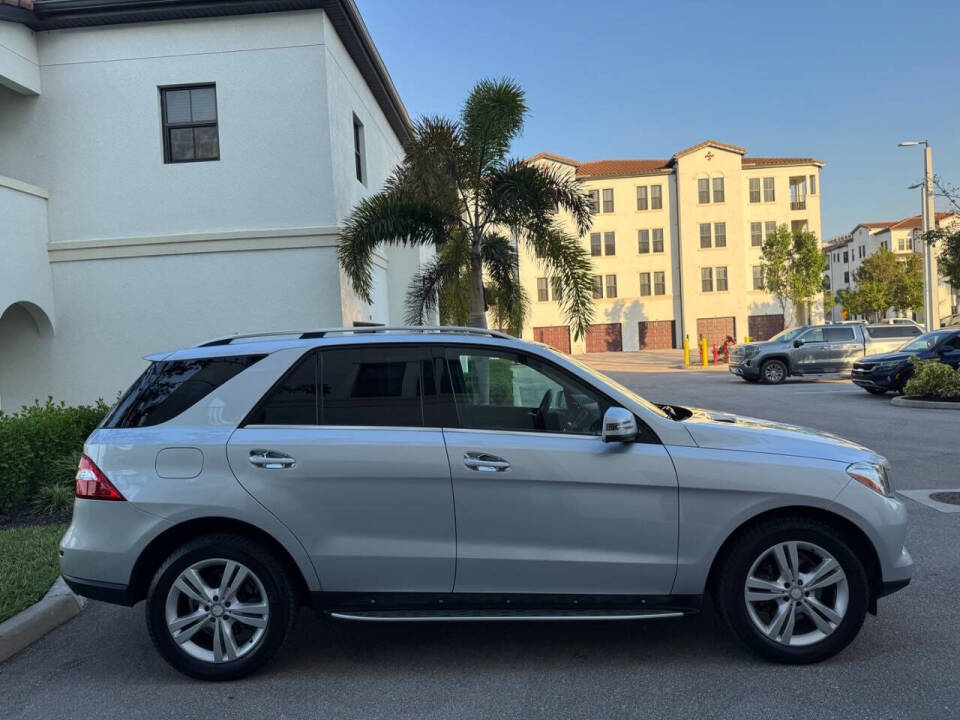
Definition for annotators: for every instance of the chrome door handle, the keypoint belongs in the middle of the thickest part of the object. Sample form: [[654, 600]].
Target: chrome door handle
[[483, 462], [271, 460]]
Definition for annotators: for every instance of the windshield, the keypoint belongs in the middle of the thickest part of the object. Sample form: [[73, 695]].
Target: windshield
[[925, 342], [786, 335], [607, 380]]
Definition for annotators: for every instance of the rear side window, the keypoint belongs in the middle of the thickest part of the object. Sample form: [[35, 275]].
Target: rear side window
[[292, 401], [893, 331], [838, 334], [169, 387], [371, 386]]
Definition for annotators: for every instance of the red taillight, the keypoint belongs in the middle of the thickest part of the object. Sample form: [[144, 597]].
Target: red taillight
[[93, 484]]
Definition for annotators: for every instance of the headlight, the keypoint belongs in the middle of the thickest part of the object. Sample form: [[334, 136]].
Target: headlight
[[887, 366], [873, 476], [750, 350]]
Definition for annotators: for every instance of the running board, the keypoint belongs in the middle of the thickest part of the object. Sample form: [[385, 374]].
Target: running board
[[486, 615]]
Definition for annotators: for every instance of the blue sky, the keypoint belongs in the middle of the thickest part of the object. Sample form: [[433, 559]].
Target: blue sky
[[842, 81]]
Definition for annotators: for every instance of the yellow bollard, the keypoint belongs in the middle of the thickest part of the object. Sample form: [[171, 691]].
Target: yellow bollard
[[703, 351], [686, 349], [746, 338]]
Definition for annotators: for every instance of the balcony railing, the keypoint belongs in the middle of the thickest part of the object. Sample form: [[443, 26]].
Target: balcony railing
[[799, 203]]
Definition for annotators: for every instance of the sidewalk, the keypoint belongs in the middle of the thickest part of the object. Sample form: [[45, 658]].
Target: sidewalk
[[645, 361]]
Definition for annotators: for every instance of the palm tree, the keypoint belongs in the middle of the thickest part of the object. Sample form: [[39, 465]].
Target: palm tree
[[457, 190]]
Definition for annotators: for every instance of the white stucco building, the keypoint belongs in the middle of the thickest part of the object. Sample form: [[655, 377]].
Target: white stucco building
[[175, 171]]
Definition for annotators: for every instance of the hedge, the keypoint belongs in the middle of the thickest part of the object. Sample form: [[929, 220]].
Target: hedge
[[34, 442], [933, 379]]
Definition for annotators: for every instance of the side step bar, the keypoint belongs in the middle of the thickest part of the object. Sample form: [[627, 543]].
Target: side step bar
[[486, 615]]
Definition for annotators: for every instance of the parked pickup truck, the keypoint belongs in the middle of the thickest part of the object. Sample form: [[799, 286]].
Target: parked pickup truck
[[816, 350]]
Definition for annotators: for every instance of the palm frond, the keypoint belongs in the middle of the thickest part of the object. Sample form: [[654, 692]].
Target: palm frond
[[437, 285], [433, 162], [570, 269], [389, 217], [528, 196], [491, 118], [506, 296]]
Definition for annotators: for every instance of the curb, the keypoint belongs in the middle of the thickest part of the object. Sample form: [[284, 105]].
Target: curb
[[28, 626], [928, 404]]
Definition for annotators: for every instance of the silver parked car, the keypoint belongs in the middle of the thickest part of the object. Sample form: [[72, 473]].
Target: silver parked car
[[419, 474]]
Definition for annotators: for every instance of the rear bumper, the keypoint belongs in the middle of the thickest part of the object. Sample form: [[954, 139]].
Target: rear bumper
[[103, 591], [892, 586]]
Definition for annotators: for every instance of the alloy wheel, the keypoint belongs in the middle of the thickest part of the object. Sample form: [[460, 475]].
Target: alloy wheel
[[217, 610], [796, 593], [773, 372]]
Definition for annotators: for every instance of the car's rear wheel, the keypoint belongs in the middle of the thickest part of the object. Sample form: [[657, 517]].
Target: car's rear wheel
[[793, 591], [773, 372], [220, 607]]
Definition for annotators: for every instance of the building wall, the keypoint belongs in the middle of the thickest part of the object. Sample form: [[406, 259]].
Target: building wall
[[19, 60], [147, 256], [685, 302]]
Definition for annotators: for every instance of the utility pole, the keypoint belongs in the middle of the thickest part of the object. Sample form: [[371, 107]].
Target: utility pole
[[931, 274]]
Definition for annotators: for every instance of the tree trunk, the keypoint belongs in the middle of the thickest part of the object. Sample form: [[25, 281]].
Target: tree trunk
[[478, 314]]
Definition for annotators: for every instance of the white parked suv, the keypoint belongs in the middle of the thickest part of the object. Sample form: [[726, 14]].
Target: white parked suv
[[383, 474]]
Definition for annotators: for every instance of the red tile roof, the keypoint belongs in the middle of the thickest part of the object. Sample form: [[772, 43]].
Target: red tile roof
[[916, 222], [614, 168], [837, 242], [763, 161], [555, 158], [710, 143]]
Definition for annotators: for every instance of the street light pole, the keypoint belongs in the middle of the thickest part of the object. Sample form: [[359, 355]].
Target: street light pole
[[931, 275]]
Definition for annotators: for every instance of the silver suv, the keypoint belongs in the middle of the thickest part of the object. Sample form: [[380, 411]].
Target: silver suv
[[391, 474]]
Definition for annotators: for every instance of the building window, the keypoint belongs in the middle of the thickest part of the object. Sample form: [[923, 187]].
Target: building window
[[720, 234], [706, 279], [758, 277], [718, 193], [769, 229], [359, 151], [609, 243], [595, 244], [813, 184], [658, 240], [611, 286], [542, 290], [593, 201], [826, 282], [644, 284], [703, 190], [904, 244], [643, 241], [756, 234], [754, 190], [597, 287], [846, 256], [721, 279], [190, 131], [846, 277], [768, 190], [659, 283], [556, 289], [798, 226], [656, 197], [608, 200], [641, 197], [705, 235]]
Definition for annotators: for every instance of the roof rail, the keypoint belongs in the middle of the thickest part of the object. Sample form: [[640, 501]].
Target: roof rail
[[368, 330]]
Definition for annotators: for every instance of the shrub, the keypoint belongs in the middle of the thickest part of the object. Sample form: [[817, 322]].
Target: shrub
[[933, 379], [38, 443]]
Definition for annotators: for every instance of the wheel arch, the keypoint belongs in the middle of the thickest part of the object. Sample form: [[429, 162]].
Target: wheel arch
[[158, 549], [860, 541], [782, 358]]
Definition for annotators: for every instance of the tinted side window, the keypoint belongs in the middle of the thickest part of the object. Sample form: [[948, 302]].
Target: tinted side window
[[169, 387], [292, 401], [838, 334], [508, 391], [812, 336], [952, 344], [371, 386], [893, 331]]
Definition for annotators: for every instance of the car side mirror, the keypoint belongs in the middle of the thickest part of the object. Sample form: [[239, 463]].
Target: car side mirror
[[619, 425], [797, 343]]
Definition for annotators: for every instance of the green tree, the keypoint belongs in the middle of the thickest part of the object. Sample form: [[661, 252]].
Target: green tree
[[775, 261], [457, 190], [907, 291], [793, 265], [885, 281]]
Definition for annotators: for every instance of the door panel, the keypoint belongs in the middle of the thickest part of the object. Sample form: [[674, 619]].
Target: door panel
[[372, 506], [814, 355], [844, 347], [571, 514]]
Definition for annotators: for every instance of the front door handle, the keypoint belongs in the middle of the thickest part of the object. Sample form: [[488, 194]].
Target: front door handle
[[271, 460], [484, 462]]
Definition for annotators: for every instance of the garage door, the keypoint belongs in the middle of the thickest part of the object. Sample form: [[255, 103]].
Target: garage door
[[715, 330], [604, 338], [764, 327], [657, 334], [556, 336]]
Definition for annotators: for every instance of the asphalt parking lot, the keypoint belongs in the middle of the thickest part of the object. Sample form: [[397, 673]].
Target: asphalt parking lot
[[101, 664]]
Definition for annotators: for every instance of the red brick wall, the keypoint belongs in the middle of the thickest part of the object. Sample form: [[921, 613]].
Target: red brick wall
[[604, 338], [556, 336], [716, 329], [656, 334], [764, 327]]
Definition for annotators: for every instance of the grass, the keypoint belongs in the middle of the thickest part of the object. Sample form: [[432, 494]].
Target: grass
[[28, 565]]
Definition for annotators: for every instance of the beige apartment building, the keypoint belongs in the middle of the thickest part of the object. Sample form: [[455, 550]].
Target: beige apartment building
[[846, 253], [676, 245]]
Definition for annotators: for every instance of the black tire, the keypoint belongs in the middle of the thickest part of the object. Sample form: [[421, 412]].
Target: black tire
[[773, 372], [731, 577], [876, 391], [277, 584]]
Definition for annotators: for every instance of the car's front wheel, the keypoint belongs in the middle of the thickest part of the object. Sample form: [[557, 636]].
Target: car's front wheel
[[773, 372], [220, 607], [793, 590]]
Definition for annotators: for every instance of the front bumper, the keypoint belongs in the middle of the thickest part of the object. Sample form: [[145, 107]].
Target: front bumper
[[745, 369]]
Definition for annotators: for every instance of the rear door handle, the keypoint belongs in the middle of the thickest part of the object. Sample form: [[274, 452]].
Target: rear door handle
[[484, 462], [271, 460]]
